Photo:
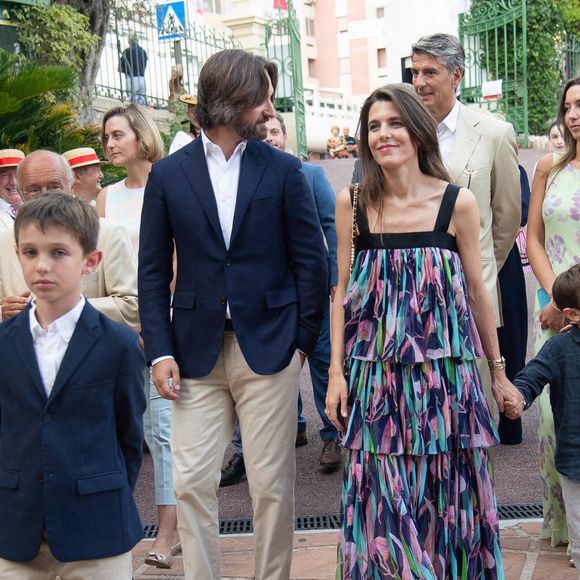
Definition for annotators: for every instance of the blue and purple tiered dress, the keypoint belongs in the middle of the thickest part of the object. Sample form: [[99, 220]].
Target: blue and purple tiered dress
[[417, 495]]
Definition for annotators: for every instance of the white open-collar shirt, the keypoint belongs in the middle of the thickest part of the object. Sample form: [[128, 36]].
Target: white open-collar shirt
[[224, 175], [446, 134], [50, 345]]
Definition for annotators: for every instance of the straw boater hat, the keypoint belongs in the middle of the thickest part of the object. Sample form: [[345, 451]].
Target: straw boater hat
[[188, 99], [81, 157], [10, 157]]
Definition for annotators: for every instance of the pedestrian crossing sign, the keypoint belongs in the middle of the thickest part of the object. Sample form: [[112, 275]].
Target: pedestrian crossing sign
[[171, 20]]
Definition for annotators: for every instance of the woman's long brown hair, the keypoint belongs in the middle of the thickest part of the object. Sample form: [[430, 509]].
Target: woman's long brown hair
[[571, 143], [422, 129]]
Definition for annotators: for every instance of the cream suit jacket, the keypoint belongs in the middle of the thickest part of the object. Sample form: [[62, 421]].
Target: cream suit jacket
[[485, 160], [111, 288]]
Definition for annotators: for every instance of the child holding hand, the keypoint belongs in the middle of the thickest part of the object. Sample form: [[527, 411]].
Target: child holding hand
[[558, 363]]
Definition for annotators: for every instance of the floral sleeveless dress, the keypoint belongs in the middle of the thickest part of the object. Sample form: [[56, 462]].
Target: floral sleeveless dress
[[417, 493], [561, 215]]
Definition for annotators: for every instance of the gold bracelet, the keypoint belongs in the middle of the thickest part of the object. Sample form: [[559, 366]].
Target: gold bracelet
[[497, 364]]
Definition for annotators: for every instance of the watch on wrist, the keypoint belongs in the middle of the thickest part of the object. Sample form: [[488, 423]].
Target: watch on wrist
[[497, 364]]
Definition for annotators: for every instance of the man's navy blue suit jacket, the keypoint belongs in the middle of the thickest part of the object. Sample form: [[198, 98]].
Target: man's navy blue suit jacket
[[69, 462], [273, 276]]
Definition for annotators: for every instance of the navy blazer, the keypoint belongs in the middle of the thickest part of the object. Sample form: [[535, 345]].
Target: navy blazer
[[273, 276], [69, 462], [325, 204]]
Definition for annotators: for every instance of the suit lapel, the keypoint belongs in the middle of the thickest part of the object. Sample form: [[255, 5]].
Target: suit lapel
[[466, 139], [195, 168], [86, 333], [25, 349], [251, 171]]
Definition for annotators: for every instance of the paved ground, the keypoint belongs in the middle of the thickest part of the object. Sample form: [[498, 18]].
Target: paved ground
[[525, 557]]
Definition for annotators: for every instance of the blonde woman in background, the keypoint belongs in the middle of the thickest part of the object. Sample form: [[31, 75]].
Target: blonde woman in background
[[131, 140]]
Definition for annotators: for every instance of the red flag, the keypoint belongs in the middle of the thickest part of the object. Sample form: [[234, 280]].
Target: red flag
[[280, 5]]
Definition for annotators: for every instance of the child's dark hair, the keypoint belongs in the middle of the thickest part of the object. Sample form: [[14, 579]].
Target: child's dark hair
[[566, 288], [61, 210]]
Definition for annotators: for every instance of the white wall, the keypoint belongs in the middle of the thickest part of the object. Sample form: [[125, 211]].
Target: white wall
[[407, 20]]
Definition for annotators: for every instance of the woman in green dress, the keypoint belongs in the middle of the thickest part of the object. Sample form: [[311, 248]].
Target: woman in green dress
[[553, 246]]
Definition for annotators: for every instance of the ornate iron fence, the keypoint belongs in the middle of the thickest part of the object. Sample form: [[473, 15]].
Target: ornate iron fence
[[494, 36], [283, 47], [173, 65]]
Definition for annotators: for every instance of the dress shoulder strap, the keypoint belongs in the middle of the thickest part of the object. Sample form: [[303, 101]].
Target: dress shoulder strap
[[446, 208]]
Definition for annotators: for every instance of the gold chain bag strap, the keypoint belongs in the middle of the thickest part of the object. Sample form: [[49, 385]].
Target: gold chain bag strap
[[355, 190]]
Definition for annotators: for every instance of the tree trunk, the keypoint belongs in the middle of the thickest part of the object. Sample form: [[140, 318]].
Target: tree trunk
[[98, 13]]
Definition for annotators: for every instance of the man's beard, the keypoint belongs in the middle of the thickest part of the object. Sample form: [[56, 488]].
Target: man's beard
[[251, 132]]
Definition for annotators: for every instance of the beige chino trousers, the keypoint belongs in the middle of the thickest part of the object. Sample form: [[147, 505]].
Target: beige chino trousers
[[46, 567], [202, 427]]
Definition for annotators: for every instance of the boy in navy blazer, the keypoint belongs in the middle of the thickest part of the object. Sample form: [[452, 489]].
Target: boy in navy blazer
[[71, 406]]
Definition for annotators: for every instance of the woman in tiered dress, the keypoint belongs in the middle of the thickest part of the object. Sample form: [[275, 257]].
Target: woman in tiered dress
[[417, 495], [553, 246]]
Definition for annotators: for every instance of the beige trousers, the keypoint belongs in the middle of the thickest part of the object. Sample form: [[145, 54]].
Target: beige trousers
[[202, 426], [46, 567]]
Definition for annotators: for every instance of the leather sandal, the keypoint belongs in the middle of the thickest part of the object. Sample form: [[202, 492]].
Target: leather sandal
[[160, 560]]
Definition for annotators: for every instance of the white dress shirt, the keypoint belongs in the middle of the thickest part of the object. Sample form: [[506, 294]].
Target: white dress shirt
[[446, 134], [50, 345], [224, 176]]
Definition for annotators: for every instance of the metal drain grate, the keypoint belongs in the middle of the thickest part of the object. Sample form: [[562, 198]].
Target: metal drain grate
[[150, 530], [241, 526], [332, 521], [327, 522], [520, 512]]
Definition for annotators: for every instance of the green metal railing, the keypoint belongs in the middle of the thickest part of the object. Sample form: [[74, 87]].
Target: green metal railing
[[173, 66], [571, 58], [494, 36], [282, 44]]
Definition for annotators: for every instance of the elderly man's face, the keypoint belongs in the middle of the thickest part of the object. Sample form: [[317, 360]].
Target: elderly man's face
[[8, 191], [87, 183], [42, 173]]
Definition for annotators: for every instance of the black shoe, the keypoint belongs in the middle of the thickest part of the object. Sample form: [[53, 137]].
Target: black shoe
[[301, 439], [330, 456], [234, 472]]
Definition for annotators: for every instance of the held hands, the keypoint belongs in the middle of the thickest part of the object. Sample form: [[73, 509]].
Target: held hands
[[509, 400], [13, 305], [166, 379], [551, 319], [514, 410], [336, 400]]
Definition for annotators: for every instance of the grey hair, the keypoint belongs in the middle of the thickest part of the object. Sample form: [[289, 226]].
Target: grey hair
[[70, 178], [444, 48], [280, 120]]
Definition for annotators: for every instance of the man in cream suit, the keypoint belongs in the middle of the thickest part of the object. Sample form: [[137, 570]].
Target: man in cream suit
[[9, 198], [479, 152], [111, 289]]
